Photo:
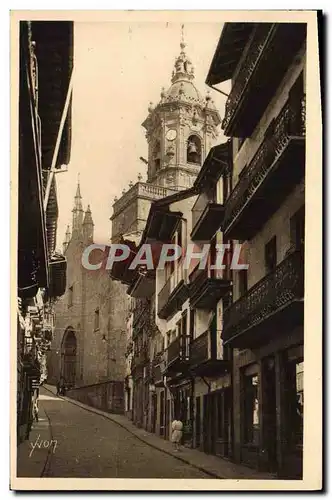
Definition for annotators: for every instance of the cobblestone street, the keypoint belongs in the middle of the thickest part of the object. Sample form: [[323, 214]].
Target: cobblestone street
[[89, 445]]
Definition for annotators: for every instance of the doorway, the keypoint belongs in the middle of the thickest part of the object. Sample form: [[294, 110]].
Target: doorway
[[269, 411], [68, 357]]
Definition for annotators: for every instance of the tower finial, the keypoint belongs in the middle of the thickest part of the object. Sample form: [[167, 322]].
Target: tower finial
[[182, 43], [183, 68]]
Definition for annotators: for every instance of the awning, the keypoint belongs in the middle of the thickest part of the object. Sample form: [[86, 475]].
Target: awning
[[162, 222], [54, 51], [233, 39], [52, 212], [120, 270]]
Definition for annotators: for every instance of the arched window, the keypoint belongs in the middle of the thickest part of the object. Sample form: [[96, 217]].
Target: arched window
[[194, 150], [156, 156]]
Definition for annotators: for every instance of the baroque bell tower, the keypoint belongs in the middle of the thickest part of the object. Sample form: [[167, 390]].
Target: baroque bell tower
[[180, 129]]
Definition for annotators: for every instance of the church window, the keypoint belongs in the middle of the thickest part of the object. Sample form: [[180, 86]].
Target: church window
[[194, 150], [156, 156]]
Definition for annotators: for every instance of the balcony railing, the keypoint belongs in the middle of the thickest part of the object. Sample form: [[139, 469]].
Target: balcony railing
[[141, 190], [264, 63], [207, 286], [199, 349], [200, 205], [287, 127], [272, 294], [163, 295], [206, 217], [246, 69], [178, 350], [173, 293]]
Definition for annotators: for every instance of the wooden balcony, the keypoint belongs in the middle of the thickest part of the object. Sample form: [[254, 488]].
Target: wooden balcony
[[172, 296], [158, 368], [207, 287], [271, 307], [207, 217], [177, 355], [203, 355], [269, 53], [271, 175]]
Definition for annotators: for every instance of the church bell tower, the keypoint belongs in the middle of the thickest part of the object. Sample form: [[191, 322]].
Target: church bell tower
[[180, 129]]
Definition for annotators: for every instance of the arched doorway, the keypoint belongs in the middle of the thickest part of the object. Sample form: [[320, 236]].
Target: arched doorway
[[68, 357]]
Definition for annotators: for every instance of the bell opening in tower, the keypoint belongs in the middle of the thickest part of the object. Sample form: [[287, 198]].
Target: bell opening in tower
[[194, 150]]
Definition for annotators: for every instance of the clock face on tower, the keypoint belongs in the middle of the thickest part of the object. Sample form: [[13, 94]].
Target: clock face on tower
[[171, 135]]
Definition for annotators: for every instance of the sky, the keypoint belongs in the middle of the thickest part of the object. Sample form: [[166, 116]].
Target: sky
[[119, 68]]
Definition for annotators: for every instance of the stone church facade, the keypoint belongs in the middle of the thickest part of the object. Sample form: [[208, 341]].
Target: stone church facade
[[89, 342]]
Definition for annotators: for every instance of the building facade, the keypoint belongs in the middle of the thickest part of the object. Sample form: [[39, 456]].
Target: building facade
[[180, 131], [88, 349], [229, 356], [46, 60], [265, 209]]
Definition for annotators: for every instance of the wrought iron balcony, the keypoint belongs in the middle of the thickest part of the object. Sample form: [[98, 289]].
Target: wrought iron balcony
[[177, 354], [203, 354], [271, 175], [206, 218], [207, 287], [274, 304], [173, 294], [264, 63]]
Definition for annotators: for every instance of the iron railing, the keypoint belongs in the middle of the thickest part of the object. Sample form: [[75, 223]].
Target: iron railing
[[250, 60], [289, 123], [277, 289]]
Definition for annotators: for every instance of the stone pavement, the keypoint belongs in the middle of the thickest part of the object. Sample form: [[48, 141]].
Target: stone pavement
[[33, 454], [210, 465]]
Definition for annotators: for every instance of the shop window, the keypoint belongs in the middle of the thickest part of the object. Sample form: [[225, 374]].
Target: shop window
[[295, 402], [251, 409], [271, 255], [198, 421]]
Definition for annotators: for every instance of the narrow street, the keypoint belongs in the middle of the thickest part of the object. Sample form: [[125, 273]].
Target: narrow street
[[88, 445]]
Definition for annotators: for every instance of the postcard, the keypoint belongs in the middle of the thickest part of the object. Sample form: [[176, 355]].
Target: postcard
[[166, 242]]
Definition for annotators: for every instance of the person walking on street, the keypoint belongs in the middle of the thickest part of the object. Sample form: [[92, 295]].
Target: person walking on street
[[177, 427]]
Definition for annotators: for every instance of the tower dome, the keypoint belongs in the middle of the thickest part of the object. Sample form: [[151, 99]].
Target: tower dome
[[180, 128]]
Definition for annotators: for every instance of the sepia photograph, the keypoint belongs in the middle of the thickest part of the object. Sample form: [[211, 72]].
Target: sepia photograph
[[166, 301]]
